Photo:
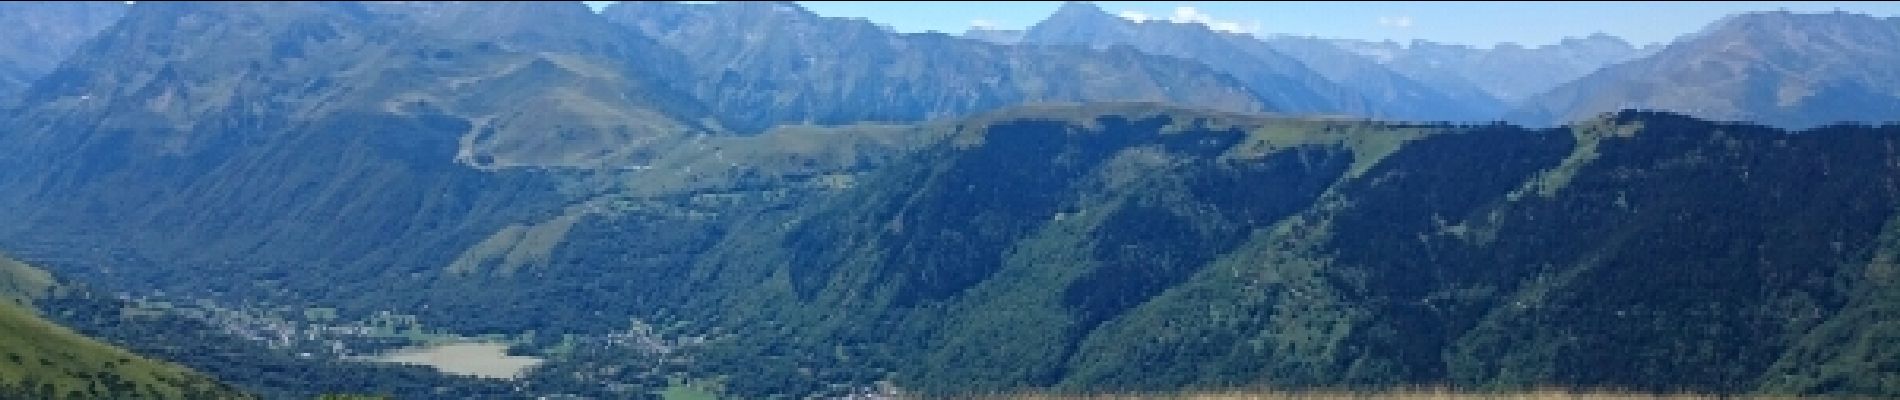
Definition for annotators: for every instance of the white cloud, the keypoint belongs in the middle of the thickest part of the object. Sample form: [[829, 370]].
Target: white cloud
[[983, 24], [1402, 21], [1133, 15], [1194, 15], [1190, 14]]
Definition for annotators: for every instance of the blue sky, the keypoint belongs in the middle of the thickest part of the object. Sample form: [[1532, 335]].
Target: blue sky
[[1473, 23]]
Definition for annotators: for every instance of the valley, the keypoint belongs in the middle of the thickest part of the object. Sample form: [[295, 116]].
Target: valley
[[753, 200]]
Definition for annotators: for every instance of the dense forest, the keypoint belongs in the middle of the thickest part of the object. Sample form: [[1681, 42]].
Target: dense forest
[[1643, 251]]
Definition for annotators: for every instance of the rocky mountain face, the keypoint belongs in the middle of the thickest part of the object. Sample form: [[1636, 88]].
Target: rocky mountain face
[[1282, 81], [1295, 77], [760, 64], [378, 147], [1507, 71], [242, 135], [1393, 94], [1780, 68], [300, 63], [40, 34]]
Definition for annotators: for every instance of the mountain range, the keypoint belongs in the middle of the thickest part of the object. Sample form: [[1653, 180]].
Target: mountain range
[[824, 205], [1295, 78], [1780, 68], [1508, 72], [769, 63]]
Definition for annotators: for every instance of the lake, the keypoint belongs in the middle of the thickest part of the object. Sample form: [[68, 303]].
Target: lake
[[488, 360]]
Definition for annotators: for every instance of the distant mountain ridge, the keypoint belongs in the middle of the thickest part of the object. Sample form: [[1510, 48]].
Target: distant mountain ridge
[[1285, 79], [1780, 68], [1507, 71], [766, 63], [1398, 96]]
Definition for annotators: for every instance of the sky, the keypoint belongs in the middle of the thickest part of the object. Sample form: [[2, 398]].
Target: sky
[[1476, 23]]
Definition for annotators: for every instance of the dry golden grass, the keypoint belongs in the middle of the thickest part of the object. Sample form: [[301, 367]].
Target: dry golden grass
[[1398, 394]]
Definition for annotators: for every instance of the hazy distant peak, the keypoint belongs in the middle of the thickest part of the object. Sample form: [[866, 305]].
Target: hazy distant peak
[[1776, 67], [1594, 40], [1784, 19], [1080, 9], [1080, 13]]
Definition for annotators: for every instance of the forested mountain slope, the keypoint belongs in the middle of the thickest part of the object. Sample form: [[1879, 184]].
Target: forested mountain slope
[[1083, 248]]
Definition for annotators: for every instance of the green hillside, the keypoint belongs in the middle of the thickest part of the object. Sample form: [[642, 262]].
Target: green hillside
[[41, 360], [1127, 249], [21, 283]]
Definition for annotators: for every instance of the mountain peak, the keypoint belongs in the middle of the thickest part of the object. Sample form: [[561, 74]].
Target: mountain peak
[[1080, 22], [1595, 38], [1080, 8], [1081, 13], [1788, 19]]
